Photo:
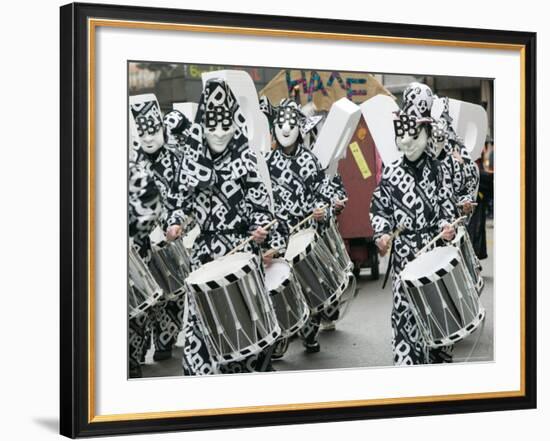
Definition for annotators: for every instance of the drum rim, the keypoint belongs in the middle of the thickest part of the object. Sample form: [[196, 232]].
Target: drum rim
[[302, 254], [434, 275], [223, 281], [287, 281]]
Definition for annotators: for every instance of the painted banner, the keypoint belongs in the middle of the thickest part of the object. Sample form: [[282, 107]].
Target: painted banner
[[322, 87]]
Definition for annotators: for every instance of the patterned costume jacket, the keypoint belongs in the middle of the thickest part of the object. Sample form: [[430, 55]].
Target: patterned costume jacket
[[297, 183], [408, 196], [224, 194], [460, 174], [165, 164]]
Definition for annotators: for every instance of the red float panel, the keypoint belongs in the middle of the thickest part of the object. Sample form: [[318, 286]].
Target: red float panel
[[360, 173]]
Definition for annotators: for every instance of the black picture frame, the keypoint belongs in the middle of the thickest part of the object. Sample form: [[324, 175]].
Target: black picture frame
[[77, 419]]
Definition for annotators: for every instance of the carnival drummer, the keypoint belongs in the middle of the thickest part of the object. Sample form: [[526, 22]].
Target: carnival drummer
[[459, 170], [297, 180], [225, 195], [408, 198], [163, 160], [144, 210]]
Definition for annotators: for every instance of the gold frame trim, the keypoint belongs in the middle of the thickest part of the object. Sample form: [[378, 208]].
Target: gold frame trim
[[92, 25]]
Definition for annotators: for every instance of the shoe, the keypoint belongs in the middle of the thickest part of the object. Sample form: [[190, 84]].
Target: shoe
[[162, 355], [280, 348], [311, 349]]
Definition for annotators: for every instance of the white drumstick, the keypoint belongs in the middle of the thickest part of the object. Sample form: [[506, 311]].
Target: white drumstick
[[440, 235], [249, 239], [307, 218]]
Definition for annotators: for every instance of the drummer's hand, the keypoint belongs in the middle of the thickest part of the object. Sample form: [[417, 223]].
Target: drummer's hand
[[173, 232], [267, 257], [339, 205], [467, 207], [318, 214], [259, 235], [448, 232], [383, 244]]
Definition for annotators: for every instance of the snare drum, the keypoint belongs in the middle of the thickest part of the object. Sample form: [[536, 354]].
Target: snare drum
[[234, 308], [319, 274], [287, 297], [170, 265], [443, 298], [333, 240], [468, 255], [143, 290]]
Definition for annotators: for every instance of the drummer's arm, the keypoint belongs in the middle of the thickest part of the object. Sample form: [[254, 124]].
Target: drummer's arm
[[381, 215], [180, 217], [446, 218], [317, 197], [340, 194], [257, 201]]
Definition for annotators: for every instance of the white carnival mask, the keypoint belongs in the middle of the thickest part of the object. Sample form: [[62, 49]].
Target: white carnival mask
[[151, 135], [411, 135], [413, 146], [219, 126], [287, 128]]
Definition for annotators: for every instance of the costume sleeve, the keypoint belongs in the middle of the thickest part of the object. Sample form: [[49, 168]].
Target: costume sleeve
[[447, 210], [471, 177], [144, 208], [181, 198], [381, 208], [315, 181], [256, 196]]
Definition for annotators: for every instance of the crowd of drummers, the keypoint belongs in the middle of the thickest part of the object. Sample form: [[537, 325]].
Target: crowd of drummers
[[240, 266]]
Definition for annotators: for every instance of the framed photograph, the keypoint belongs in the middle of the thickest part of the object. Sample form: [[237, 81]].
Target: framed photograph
[[273, 220]]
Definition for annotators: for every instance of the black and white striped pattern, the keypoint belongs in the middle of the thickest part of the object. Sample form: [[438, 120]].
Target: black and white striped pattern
[[434, 277], [224, 281]]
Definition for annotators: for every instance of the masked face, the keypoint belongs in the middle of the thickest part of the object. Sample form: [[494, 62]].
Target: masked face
[[150, 133], [286, 127], [413, 146], [219, 126], [411, 137]]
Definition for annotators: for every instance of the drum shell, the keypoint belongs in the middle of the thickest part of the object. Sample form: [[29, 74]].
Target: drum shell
[[238, 318], [143, 290], [290, 306], [320, 276], [170, 265], [464, 245], [445, 305], [333, 240]]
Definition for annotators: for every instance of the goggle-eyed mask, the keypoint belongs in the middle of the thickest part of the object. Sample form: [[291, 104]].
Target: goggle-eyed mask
[[147, 125], [218, 115], [407, 124], [287, 114]]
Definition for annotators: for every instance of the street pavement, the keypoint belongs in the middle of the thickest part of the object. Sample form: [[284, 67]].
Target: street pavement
[[363, 336]]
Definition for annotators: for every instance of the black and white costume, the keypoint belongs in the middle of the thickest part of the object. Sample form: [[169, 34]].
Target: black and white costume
[[226, 197], [144, 210], [299, 187], [164, 161], [176, 129], [459, 170], [409, 197]]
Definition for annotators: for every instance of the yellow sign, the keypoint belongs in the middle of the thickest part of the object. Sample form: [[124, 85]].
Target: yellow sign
[[360, 160]]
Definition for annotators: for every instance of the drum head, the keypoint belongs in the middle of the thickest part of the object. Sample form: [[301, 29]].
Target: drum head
[[429, 263], [276, 274], [298, 243], [220, 268]]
